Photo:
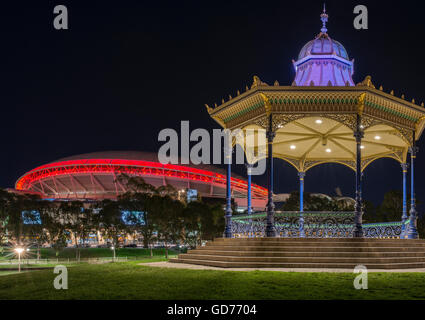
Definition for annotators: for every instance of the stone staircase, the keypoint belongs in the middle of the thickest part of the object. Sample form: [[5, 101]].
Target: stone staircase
[[308, 253]]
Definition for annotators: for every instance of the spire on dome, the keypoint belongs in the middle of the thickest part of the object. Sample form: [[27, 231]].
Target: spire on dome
[[324, 17], [323, 61]]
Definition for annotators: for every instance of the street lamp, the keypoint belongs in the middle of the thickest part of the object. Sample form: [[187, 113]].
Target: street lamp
[[19, 251], [113, 249]]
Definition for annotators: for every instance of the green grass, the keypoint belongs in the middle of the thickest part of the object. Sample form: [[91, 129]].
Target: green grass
[[6, 273], [70, 253], [129, 280], [35, 265]]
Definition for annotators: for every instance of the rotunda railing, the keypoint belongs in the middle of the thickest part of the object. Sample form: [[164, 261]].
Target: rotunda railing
[[323, 224]]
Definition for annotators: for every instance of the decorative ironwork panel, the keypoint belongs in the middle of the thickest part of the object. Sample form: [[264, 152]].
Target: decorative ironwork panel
[[316, 225], [382, 230]]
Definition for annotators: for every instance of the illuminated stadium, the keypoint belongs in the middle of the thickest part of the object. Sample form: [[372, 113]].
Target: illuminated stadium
[[93, 176]]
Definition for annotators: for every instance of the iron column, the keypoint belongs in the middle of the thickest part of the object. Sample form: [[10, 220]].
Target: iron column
[[403, 235], [358, 208], [413, 231], [228, 215], [270, 229], [301, 175], [248, 171]]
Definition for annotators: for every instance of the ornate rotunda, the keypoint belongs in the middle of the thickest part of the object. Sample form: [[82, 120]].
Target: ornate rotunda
[[324, 117]]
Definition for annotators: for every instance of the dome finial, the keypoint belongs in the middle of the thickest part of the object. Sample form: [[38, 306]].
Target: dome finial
[[324, 17]]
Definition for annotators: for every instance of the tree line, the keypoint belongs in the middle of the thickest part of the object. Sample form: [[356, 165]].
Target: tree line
[[157, 214]]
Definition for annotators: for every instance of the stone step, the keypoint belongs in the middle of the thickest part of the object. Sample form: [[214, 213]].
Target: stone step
[[317, 239], [337, 243], [264, 253], [351, 266], [353, 260], [308, 253], [312, 249]]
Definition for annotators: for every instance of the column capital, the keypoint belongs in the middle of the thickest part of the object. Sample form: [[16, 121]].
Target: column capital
[[358, 134], [413, 151], [404, 166], [249, 167], [301, 174], [270, 135], [228, 152]]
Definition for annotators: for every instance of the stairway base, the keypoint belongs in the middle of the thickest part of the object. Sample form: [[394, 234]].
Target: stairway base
[[344, 253]]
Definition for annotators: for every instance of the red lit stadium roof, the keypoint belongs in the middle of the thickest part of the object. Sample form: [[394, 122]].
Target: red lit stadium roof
[[93, 176]]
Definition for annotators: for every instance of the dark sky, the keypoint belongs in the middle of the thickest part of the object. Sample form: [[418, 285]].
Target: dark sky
[[127, 69]]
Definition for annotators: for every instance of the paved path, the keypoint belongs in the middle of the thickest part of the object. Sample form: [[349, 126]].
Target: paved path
[[166, 264]]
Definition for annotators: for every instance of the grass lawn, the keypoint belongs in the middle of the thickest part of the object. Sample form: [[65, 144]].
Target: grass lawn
[[49, 253], [129, 280], [6, 273]]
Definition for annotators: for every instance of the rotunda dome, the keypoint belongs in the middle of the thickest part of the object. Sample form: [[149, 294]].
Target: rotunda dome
[[323, 45]]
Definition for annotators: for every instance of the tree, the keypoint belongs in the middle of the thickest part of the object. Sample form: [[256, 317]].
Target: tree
[[370, 211], [55, 220], [137, 201], [293, 202], [213, 223], [316, 203], [167, 218], [192, 227], [421, 226], [5, 200], [202, 221], [391, 207], [80, 223], [137, 206], [167, 190], [18, 203], [136, 184], [111, 223], [34, 223]]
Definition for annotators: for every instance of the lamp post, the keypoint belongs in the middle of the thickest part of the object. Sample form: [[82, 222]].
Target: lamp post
[[19, 251], [113, 250]]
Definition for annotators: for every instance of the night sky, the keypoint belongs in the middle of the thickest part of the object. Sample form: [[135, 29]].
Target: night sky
[[127, 69]]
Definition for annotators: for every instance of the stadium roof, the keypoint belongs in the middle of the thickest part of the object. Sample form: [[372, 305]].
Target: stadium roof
[[94, 176]]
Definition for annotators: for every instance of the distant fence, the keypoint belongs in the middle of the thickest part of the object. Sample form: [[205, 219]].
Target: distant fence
[[320, 224], [65, 260]]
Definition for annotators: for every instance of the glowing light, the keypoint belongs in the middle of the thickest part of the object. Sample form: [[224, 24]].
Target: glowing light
[[377, 138], [293, 147], [318, 121], [19, 250], [130, 167], [328, 150], [361, 147]]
